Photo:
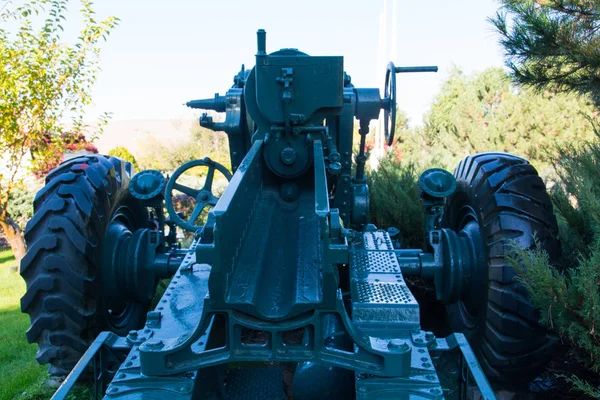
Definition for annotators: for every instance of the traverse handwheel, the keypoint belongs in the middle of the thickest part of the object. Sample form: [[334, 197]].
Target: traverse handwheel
[[389, 111], [203, 197]]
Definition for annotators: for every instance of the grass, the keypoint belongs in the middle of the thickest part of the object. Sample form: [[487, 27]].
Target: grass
[[21, 377]]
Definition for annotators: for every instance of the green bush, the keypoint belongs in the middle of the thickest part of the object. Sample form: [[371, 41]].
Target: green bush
[[395, 199], [568, 294], [124, 154], [20, 205]]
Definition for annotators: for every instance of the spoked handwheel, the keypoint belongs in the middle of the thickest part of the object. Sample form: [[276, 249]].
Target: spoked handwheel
[[203, 197], [389, 110]]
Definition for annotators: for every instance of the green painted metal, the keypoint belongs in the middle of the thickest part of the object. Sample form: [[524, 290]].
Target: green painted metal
[[287, 274]]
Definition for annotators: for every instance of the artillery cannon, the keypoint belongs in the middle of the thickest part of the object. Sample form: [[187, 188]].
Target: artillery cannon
[[287, 290]]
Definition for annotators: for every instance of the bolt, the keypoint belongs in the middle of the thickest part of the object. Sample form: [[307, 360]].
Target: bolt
[[132, 334], [430, 377], [121, 376], [154, 343], [112, 390], [429, 336], [397, 345], [426, 365], [418, 340], [288, 156]]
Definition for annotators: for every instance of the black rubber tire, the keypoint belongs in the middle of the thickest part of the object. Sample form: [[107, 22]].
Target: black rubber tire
[[63, 263], [508, 199]]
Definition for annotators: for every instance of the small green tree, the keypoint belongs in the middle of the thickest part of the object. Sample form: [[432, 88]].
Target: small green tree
[[486, 112], [42, 81], [124, 154]]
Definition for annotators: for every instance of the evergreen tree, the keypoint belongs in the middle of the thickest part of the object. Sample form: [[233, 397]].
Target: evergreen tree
[[486, 112], [552, 43]]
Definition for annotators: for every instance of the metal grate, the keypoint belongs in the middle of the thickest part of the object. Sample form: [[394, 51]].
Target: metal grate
[[384, 293], [375, 262]]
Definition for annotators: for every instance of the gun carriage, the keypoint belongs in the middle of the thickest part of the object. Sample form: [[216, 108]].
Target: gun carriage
[[287, 290]]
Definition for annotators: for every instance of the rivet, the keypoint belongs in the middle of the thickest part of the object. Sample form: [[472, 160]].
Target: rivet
[[112, 390], [154, 343]]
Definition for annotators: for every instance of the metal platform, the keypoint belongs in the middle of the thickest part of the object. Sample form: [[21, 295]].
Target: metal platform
[[380, 297]]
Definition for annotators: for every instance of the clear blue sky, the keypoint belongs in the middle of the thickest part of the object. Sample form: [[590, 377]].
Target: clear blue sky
[[167, 52]]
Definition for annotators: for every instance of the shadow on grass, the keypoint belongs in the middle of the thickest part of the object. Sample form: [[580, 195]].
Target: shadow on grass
[[7, 257]]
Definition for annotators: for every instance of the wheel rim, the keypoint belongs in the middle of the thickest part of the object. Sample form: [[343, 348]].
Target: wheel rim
[[117, 310], [470, 306]]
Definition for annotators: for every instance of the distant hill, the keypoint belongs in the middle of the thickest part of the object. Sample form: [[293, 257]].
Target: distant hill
[[131, 133]]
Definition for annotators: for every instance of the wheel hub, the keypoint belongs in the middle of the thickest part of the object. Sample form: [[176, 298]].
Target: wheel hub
[[461, 276]]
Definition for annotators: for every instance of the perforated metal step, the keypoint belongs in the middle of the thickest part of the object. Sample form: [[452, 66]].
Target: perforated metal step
[[254, 383], [380, 297]]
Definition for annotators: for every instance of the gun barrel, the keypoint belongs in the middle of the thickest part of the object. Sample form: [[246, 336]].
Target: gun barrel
[[217, 104], [404, 70]]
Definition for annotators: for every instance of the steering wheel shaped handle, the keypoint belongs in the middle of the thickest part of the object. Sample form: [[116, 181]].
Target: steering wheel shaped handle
[[389, 109], [203, 197]]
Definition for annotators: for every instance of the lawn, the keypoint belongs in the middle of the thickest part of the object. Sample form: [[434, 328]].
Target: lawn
[[21, 377]]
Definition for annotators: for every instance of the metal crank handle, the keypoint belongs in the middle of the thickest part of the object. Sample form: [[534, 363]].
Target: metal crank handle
[[404, 70]]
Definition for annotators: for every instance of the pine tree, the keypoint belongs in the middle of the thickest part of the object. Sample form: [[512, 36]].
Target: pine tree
[[552, 43]]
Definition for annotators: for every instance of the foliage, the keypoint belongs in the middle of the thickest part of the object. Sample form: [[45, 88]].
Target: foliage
[[42, 82], [124, 154], [552, 43], [485, 112], [395, 199], [20, 205], [167, 157], [577, 198], [569, 293], [569, 301], [46, 155]]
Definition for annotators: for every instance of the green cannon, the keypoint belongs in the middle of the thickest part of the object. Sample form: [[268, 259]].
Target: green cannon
[[287, 290]]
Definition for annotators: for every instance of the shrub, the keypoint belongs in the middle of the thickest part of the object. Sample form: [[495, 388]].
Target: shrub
[[395, 199], [568, 294], [125, 155]]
